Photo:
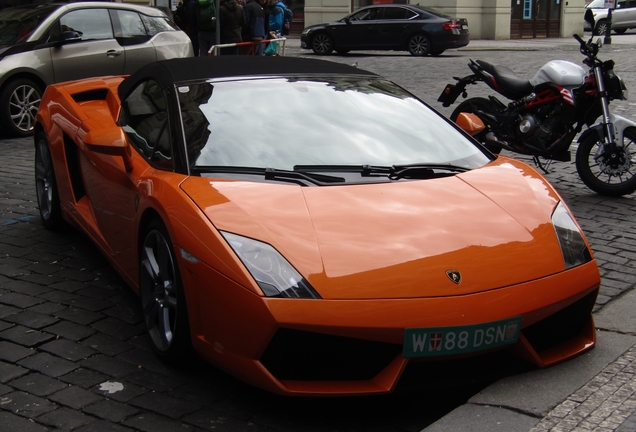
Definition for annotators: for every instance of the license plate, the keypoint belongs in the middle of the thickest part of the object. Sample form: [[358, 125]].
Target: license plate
[[443, 341], [464, 27]]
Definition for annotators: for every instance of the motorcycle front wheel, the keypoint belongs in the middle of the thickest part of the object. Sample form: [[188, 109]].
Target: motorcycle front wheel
[[608, 174], [472, 106]]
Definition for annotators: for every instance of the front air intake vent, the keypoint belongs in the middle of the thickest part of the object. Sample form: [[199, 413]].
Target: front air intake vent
[[305, 356], [562, 325]]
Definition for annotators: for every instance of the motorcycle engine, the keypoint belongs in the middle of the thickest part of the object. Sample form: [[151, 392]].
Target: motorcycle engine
[[540, 130]]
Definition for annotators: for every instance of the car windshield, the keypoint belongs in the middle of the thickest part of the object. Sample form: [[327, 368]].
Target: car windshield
[[318, 122], [16, 24]]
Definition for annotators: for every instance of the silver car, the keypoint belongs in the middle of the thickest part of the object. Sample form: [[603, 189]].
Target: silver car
[[50, 43], [623, 16]]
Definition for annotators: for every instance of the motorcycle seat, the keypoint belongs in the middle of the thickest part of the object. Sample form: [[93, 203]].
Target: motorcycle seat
[[506, 81]]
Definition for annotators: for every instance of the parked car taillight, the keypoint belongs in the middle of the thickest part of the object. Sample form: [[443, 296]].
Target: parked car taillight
[[452, 25]]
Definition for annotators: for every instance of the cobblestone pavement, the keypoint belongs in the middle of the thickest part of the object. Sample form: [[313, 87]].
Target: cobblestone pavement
[[74, 356], [606, 403]]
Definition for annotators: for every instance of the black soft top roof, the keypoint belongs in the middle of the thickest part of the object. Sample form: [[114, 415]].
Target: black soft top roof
[[168, 72]]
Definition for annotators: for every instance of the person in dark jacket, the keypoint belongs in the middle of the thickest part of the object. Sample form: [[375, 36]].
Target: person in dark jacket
[[232, 20], [206, 25], [192, 32], [254, 28]]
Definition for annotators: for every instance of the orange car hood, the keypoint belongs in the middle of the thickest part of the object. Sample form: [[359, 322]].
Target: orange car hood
[[399, 240]]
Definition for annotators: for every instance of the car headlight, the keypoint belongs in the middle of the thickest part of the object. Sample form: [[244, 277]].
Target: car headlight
[[575, 251], [271, 271]]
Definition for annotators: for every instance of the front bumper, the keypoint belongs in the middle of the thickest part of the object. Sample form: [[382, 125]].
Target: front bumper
[[452, 41], [304, 41], [350, 347]]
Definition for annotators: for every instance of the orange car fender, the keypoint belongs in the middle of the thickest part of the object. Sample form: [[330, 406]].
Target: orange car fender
[[219, 302], [189, 227], [197, 244]]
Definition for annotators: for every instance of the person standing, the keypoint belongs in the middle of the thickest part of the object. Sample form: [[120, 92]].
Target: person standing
[[206, 25], [254, 28], [232, 20], [276, 16], [191, 16]]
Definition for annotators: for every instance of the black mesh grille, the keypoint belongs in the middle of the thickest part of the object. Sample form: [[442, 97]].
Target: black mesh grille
[[306, 356], [561, 326]]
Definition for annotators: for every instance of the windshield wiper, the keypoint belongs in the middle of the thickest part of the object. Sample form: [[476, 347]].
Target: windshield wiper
[[301, 178], [421, 171], [394, 172]]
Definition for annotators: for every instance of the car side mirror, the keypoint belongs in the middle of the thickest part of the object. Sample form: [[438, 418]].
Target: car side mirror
[[347, 20], [68, 36], [110, 141]]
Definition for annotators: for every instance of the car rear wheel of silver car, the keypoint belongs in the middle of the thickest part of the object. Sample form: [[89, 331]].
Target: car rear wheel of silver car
[[45, 185], [322, 44], [419, 45], [20, 100], [162, 296]]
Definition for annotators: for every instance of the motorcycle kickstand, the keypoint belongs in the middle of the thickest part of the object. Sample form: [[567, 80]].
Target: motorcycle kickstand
[[537, 162]]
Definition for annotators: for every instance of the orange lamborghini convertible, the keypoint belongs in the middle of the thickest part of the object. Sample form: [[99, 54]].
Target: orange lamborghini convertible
[[311, 227]]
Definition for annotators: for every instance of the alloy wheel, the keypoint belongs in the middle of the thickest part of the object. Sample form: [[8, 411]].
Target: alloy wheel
[[419, 45], [322, 44], [158, 285], [23, 105]]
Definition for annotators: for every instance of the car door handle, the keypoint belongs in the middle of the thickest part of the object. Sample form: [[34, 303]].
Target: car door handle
[[113, 53]]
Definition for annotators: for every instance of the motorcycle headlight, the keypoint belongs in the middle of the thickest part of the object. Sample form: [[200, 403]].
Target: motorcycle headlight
[[575, 251], [616, 88], [271, 271]]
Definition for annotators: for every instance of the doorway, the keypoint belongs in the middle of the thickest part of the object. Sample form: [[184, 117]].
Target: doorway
[[535, 19]]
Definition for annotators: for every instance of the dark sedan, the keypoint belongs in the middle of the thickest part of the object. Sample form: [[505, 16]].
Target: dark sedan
[[418, 30]]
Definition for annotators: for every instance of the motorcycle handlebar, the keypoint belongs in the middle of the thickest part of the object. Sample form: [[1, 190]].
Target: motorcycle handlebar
[[578, 38], [589, 48]]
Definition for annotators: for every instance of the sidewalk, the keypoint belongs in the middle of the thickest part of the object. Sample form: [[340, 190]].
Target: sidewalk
[[617, 41]]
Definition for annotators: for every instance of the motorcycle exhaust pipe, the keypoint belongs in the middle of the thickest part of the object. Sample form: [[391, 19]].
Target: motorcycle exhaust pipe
[[491, 138]]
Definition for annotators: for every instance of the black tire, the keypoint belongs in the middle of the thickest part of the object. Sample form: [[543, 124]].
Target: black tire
[[620, 30], [436, 53], [604, 174], [322, 44], [473, 105], [162, 296], [19, 102], [600, 28], [419, 45], [46, 186]]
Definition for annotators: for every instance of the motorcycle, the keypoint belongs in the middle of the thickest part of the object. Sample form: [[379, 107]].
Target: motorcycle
[[546, 113]]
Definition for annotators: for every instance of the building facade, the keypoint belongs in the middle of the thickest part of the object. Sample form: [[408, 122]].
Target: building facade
[[487, 19]]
